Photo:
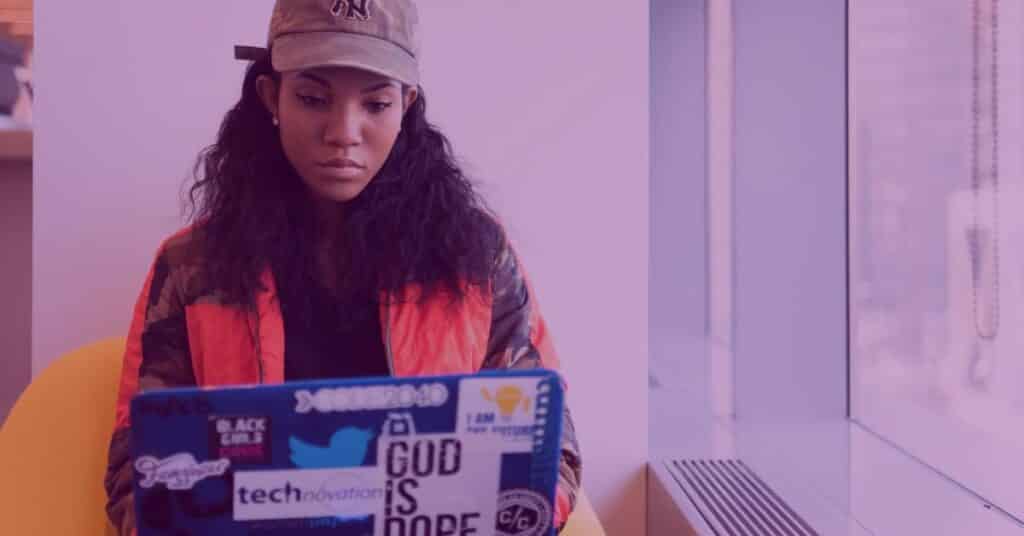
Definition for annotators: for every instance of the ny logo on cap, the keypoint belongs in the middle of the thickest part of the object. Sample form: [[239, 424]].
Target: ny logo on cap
[[352, 9]]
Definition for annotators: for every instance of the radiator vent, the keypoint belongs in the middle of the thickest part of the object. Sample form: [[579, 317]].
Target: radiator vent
[[734, 501]]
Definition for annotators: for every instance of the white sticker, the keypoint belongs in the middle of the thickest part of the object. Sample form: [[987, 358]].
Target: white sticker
[[371, 397], [179, 471], [437, 485], [351, 492], [523, 512], [503, 409]]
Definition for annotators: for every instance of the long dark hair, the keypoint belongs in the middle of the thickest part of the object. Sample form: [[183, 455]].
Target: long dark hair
[[420, 220]]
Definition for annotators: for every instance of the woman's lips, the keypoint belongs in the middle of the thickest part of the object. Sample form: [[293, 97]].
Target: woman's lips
[[343, 168], [341, 163]]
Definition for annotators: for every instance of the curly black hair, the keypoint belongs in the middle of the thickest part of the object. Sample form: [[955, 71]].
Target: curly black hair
[[419, 221]]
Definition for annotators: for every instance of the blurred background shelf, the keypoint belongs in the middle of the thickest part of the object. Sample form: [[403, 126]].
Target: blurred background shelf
[[16, 24], [16, 202], [16, 20], [15, 145]]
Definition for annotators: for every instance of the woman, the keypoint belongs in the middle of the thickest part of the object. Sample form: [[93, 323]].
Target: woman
[[333, 235]]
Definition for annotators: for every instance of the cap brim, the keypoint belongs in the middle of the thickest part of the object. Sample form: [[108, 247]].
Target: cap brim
[[250, 53], [295, 52]]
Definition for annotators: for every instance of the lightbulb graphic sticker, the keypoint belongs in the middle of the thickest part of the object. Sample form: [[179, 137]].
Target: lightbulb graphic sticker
[[504, 409]]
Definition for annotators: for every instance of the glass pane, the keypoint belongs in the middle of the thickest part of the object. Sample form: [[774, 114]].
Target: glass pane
[[937, 273]]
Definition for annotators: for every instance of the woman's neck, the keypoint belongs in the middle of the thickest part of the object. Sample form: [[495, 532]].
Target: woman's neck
[[330, 218]]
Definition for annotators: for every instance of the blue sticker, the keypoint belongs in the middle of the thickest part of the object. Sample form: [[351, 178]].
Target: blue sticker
[[347, 448]]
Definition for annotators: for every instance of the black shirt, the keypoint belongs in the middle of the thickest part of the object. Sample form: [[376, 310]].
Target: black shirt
[[329, 337]]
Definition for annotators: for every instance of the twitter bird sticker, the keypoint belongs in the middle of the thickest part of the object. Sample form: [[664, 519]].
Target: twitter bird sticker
[[346, 448]]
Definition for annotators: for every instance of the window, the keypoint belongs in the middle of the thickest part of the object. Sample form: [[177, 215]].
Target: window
[[937, 234]]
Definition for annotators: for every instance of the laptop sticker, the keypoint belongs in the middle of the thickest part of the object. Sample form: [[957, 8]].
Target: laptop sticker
[[241, 439], [178, 472]]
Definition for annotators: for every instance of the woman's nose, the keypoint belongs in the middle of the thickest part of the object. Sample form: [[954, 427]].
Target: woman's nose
[[344, 128]]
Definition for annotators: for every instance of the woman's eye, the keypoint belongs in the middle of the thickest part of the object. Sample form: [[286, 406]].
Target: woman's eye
[[378, 107], [311, 101]]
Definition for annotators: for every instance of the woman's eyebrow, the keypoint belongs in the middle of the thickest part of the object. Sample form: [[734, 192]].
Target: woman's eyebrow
[[379, 86]]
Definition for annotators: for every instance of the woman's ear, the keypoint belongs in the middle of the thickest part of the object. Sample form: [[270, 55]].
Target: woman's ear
[[411, 94], [267, 89]]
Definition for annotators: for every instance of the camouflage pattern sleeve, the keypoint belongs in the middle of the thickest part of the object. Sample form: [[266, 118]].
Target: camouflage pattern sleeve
[[156, 356], [519, 339]]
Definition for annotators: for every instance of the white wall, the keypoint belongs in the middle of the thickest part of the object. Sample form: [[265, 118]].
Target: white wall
[[789, 209], [679, 278], [548, 103], [127, 95], [679, 169]]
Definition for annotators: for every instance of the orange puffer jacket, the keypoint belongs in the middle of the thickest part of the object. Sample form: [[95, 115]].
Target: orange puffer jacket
[[185, 334]]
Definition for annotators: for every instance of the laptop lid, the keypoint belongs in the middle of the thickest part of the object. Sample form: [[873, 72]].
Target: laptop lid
[[426, 456]]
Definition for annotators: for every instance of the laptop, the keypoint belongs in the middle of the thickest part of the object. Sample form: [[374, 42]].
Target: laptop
[[427, 456]]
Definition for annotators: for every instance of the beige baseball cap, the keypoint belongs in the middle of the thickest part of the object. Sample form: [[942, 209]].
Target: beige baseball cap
[[375, 35]]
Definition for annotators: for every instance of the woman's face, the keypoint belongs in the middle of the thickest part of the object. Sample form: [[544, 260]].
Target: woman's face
[[337, 125]]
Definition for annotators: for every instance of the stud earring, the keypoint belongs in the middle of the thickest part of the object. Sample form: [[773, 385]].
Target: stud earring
[[275, 121]]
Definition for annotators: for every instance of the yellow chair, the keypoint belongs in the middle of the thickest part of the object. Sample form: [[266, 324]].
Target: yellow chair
[[583, 521], [53, 446], [53, 450]]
